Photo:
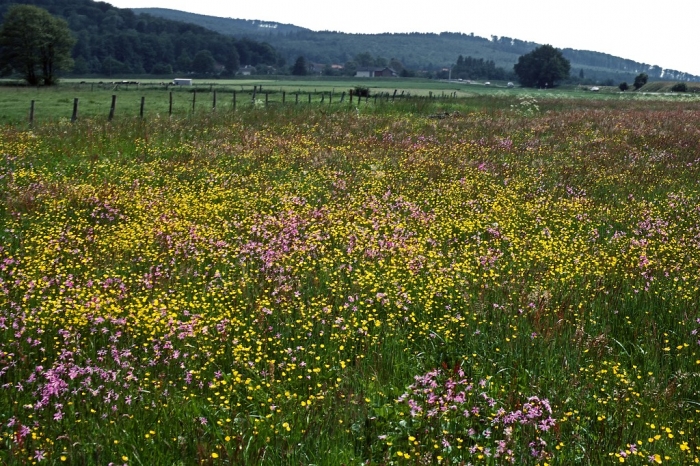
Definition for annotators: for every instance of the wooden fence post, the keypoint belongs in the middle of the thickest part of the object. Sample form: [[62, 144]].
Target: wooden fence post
[[75, 110], [112, 107], [309, 97], [213, 104], [31, 113], [266, 96], [342, 97], [194, 99], [234, 100], [297, 99], [143, 102], [284, 95], [170, 107], [351, 97]]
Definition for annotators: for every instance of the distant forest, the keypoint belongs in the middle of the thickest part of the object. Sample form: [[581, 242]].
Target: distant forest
[[114, 41], [417, 51]]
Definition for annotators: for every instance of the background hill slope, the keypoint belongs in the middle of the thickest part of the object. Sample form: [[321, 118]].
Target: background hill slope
[[118, 41], [414, 50]]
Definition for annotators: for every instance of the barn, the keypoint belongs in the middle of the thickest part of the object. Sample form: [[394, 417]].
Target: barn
[[376, 73]]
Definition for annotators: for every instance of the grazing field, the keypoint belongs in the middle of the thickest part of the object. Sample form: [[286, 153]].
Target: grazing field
[[419, 282], [95, 96]]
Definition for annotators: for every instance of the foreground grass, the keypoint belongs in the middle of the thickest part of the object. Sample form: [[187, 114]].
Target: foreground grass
[[288, 286]]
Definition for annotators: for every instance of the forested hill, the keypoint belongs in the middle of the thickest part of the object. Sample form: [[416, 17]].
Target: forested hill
[[115, 41], [414, 50], [228, 26]]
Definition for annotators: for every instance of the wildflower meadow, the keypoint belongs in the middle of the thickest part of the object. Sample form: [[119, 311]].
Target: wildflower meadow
[[512, 284]]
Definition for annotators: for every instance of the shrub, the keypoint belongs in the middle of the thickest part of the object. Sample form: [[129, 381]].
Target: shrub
[[679, 87], [361, 91]]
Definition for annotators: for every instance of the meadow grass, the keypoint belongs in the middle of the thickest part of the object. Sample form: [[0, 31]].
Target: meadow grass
[[489, 281], [95, 96]]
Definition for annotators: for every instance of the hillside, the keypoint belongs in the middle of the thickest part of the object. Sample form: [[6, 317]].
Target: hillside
[[115, 41], [414, 50]]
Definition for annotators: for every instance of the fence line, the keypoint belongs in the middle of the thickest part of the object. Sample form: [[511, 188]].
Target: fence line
[[354, 98]]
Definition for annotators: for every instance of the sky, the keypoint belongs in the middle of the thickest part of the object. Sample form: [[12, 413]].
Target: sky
[[656, 33]]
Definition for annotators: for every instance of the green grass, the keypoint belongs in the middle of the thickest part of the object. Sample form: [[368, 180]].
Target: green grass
[[52, 104]]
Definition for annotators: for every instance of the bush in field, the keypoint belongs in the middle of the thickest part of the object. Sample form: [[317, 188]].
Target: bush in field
[[361, 91], [680, 87], [624, 86]]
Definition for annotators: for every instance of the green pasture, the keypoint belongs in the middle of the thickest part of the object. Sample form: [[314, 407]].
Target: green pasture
[[95, 96]]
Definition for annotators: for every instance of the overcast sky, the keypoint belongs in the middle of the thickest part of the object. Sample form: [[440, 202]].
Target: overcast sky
[[666, 34]]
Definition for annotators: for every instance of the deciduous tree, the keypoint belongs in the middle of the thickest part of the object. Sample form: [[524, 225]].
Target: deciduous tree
[[35, 43], [203, 62], [543, 67], [640, 80], [300, 67]]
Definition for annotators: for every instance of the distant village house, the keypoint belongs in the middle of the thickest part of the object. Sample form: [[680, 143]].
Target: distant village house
[[246, 70], [376, 73]]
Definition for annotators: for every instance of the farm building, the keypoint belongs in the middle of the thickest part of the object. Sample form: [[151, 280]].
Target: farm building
[[182, 82], [247, 70], [376, 73]]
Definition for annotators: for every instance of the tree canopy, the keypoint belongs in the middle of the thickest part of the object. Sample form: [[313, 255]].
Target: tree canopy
[[35, 44], [300, 67], [640, 80], [543, 67], [122, 42], [477, 68]]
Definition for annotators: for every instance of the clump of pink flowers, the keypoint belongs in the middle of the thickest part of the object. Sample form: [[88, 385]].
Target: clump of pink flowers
[[462, 417]]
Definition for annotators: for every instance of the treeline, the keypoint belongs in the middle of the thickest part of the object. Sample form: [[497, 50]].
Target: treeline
[[478, 68], [113, 41], [422, 51], [242, 27]]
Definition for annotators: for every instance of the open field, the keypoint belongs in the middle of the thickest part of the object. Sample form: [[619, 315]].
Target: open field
[[495, 279], [95, 96]]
